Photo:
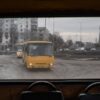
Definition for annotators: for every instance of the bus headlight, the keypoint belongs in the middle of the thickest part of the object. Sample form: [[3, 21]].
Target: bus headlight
[[30, 64], [51, 64]]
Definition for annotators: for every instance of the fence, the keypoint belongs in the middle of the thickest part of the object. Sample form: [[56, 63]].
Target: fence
[[7, 53], [79, 54]]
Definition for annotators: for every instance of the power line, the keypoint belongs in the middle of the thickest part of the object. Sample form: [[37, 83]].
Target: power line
[[53, 30], [45, 23], [99, 34], [80, 31]]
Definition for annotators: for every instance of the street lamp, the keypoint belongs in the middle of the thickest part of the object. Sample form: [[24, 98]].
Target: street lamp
[[45, 23], [80, 31], [53, 40]]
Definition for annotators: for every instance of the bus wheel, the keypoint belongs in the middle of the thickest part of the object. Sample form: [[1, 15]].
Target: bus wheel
[[28, 67], [23, 60], [50, 68], [25, 65]]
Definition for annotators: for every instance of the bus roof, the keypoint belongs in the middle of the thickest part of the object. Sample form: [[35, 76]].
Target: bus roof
[[20, 43], [37, 42]]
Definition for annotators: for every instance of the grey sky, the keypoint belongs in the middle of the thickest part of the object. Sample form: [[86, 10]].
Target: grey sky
[[71, 28]]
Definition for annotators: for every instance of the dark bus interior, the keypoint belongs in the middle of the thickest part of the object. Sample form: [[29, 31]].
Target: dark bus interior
[[63, 89]]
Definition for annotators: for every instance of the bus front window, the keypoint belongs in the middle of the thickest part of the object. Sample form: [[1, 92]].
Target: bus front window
[[19, 48], [40, 50]]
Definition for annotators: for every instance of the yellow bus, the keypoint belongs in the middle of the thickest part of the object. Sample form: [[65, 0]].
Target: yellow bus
[[38, 54], [19, 49]]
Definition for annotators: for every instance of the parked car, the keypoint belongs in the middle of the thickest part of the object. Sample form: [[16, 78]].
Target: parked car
[[80, 49], [93, 49], [66, 49]]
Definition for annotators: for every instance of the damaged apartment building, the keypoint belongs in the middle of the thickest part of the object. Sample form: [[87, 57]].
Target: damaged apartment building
[[14, 30]]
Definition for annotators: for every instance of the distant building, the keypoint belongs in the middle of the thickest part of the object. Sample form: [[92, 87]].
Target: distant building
[[6, 26], [99, 36], [27, 27], [1, 31], [34, 28], [13, 34], [14, 30], [6, 31], [89, 45], [42, 33], [56, 33]]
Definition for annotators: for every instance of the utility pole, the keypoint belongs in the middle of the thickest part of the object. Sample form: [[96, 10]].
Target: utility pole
[[45, 28], [80, 31], [76, 36], [54, 40], [99, 35], [53, 31], [53, 26], [26, 30], [96, 40], [45, 23]]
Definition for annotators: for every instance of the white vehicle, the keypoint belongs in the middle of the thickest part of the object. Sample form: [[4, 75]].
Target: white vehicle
[[93, 49], [80, 49], [66, 49]]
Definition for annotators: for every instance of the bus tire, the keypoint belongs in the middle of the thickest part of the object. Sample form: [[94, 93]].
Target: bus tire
[[50, 68], [27, 67]]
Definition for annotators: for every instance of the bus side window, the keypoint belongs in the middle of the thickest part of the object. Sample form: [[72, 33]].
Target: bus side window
[[26, 49], [23, 48]]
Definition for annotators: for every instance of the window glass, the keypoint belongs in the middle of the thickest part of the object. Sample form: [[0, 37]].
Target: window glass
[[53, 48]]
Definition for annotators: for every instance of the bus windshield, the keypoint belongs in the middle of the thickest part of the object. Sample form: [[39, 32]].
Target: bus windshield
[[19, 47], [70, 46], [40, 49]]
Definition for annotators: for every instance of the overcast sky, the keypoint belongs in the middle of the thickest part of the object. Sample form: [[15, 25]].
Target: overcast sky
[[74, 28]]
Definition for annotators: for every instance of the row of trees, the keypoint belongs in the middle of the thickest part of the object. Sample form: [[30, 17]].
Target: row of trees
[[57, 40], [59, 43]]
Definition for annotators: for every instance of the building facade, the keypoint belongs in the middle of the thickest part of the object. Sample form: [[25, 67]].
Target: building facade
[[27, 28], [43, 33], [6, 31], [13, 30]]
